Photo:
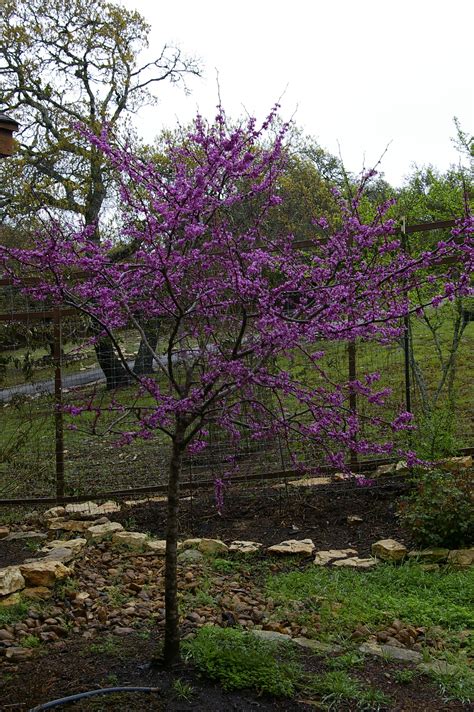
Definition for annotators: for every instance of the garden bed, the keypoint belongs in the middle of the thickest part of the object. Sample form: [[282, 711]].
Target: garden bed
[[269, 515]]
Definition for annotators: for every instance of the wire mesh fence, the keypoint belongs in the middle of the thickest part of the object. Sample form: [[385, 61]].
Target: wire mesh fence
[[434, 373]]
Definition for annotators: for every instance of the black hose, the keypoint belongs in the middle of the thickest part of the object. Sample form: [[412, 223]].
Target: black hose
[[91, 693]]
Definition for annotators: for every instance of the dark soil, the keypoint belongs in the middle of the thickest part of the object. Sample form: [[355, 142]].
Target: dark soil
[[76, 668], [271, 515], [14, 552]]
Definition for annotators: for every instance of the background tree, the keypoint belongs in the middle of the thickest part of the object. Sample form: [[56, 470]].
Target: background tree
[[64, 63], [240, 305], [427, 196]]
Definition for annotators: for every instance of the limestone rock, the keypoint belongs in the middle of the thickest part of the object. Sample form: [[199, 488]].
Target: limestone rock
[[293, 546], [429, 556], [429, 567], [190, 556], [74, 544], [37, 593], [44, 573], [63, 553], [4, 531], [92, 509], [31, 535], [10, 600], [11, 580], [134, 540], [54, 513], [99, 532], [310, 482], [391, 652], [389, 550], [191, 543], [355, 563], [18, 655], [68, 525], [461, 558], [385, 470], [439, 667], [212, 546], [156, 545], [324, 557], [317, 646], [456, 464], [272, 636], [245, 547]]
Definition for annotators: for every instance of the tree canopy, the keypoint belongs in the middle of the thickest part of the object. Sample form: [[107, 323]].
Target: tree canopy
[[67, 63]]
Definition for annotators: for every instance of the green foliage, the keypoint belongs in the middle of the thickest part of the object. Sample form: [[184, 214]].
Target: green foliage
[[405, 676], [458, 684], [379, 596], [182, 690], [108, 646], [239, 660], [13, 614], [440, 511], [351, 659], [224, 566], [435, 435], [337, 687], [30, 641]]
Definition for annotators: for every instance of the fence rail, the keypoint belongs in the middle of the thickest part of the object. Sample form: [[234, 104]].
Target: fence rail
[[61, 476]]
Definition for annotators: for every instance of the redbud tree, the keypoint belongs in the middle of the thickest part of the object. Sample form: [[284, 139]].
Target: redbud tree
[[238, 306]]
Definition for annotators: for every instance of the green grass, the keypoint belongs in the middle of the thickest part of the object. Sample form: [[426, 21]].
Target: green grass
[[108, 646], [182, 690], [376, 597], [239, 660], [337, 687]]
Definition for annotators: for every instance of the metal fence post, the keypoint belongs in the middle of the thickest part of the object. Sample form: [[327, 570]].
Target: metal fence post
[[406, 331], [352, 362], [58, 399]]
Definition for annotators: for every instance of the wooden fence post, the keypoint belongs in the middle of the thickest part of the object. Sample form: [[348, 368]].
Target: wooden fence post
[[58, 400]]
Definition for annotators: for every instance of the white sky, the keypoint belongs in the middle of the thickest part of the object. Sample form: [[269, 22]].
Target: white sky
[[357, 73]]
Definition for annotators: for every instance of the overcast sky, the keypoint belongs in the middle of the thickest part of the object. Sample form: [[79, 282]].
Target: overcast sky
[[355, 75]]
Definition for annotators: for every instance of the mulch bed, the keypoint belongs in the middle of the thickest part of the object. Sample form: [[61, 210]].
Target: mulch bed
[[75, 668], [270, 516], [14, 552]]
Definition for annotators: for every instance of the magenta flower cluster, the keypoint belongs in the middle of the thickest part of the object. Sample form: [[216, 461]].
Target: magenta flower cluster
[[243, 313]]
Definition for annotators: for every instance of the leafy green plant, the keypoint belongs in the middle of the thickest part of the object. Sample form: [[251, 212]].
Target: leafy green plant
[[13, 614], [30, 641], [109, 646], [337, 687], [238, 660], [351, 659], [182, 690], [458, 684], [440, 511], [435, 436], [224, 566], [405, 676]]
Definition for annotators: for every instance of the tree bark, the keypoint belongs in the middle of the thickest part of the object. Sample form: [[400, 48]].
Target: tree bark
[[114, 372], [171, 651], [144, 361]]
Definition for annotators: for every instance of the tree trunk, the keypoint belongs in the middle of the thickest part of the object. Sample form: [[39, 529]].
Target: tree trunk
[[114, 372], [171, 654], [144, 360]]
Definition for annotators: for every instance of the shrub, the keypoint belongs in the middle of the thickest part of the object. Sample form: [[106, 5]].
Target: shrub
[[440, 512], [238, 660]]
